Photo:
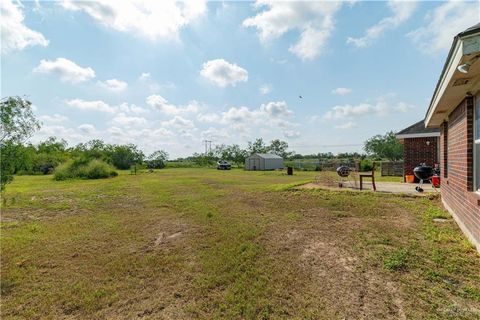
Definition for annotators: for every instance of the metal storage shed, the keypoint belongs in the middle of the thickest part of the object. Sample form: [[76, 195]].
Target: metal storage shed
[[263, 161]]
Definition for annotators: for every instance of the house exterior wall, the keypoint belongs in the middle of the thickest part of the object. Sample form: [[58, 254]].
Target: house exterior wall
[[416, 151], [456, 148]]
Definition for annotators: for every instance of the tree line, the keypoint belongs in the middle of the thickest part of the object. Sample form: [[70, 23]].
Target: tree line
[[18, 124]]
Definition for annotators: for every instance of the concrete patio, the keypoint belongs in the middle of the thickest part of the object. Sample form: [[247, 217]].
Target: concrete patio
[[385, 187]]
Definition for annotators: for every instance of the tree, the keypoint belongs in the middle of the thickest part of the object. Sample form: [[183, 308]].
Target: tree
[[385, 147], [18, 121], [125, 156], [279, 148], [203, 160], [236, 154], [257, 146], [49, 154], [17, 125], [157, 160]]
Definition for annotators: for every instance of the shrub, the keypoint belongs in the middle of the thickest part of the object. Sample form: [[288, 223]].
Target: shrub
[[84, 169], [366, 165]]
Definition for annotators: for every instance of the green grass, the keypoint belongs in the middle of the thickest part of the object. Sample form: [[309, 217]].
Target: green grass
[[201, 243], [396, 260]]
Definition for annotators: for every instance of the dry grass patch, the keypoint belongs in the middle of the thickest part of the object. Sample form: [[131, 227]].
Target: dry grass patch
[[197, 243]]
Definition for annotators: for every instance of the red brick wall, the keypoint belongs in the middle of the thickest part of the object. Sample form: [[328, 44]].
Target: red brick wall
[[416, 151], [457, 189]]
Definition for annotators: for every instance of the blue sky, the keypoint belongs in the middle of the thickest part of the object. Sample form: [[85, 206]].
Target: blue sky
[[167, 75]]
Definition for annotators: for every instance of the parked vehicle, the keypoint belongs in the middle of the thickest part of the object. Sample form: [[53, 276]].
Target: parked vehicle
[[223, 165]]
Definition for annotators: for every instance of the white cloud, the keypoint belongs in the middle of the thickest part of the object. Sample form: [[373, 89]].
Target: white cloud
[[402, 11], [311, 42], [209, 117], [15, 35], [348, 111], [54, 118], [144, 76], [67, 70], [403, 107], [282, 124], [69, 134], [96, 105], [114, 85], [313, 19], [153, 86], [223, 73], [443, 23], [265, 89], [179, 122], [289, 134], [240, 114], [86, 128], [269, 113], [276, 109], [124, 120], [215, 134], [347, 125], [162, 132], [161, 104], [341, 91], [125, 107], [149, 19]]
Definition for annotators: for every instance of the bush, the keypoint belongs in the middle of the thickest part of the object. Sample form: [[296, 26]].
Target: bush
[[155, 164], [366, 165], [84, 169]]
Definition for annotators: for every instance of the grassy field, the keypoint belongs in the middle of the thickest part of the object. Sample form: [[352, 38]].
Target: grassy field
[[208, 244]]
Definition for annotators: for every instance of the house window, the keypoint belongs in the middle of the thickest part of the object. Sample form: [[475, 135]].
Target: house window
[[476, 157]]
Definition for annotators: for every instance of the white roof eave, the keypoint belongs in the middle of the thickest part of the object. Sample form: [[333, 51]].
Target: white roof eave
[[445, 80]]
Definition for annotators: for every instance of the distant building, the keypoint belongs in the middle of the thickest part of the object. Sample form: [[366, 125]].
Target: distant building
[[263, 161], [455, 109], [420, 145]]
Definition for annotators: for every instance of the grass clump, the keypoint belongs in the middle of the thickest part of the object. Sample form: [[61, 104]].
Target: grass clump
[[84, 169], [397, 260]]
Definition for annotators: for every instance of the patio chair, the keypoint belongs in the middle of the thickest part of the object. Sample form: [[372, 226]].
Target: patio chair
[[368, 175]]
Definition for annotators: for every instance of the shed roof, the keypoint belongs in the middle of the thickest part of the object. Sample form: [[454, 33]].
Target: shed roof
[[418, 130], [268, 156]]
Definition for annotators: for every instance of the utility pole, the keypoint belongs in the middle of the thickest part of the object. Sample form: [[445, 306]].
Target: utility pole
[[208, 146]]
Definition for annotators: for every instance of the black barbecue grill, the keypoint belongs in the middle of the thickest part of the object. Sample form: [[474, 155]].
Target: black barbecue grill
[[343, 171], [423, 173]]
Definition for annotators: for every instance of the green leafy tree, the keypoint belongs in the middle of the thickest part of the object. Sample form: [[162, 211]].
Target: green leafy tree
[[257, 146], [94, 149], [279, 148], [18, 120], [236, 154], [49, 154], [157, 160], [232, 153], [384, 147], [125, 156], [221, 152], [18, 123]]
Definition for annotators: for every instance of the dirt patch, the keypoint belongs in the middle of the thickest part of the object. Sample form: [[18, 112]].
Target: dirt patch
[[335, 279], [163, 237]]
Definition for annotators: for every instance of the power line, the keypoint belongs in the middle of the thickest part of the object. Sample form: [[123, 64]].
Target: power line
[[326, 145]]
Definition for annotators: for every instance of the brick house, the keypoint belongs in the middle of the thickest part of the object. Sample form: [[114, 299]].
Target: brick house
[[420, 145], [455, 110]]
